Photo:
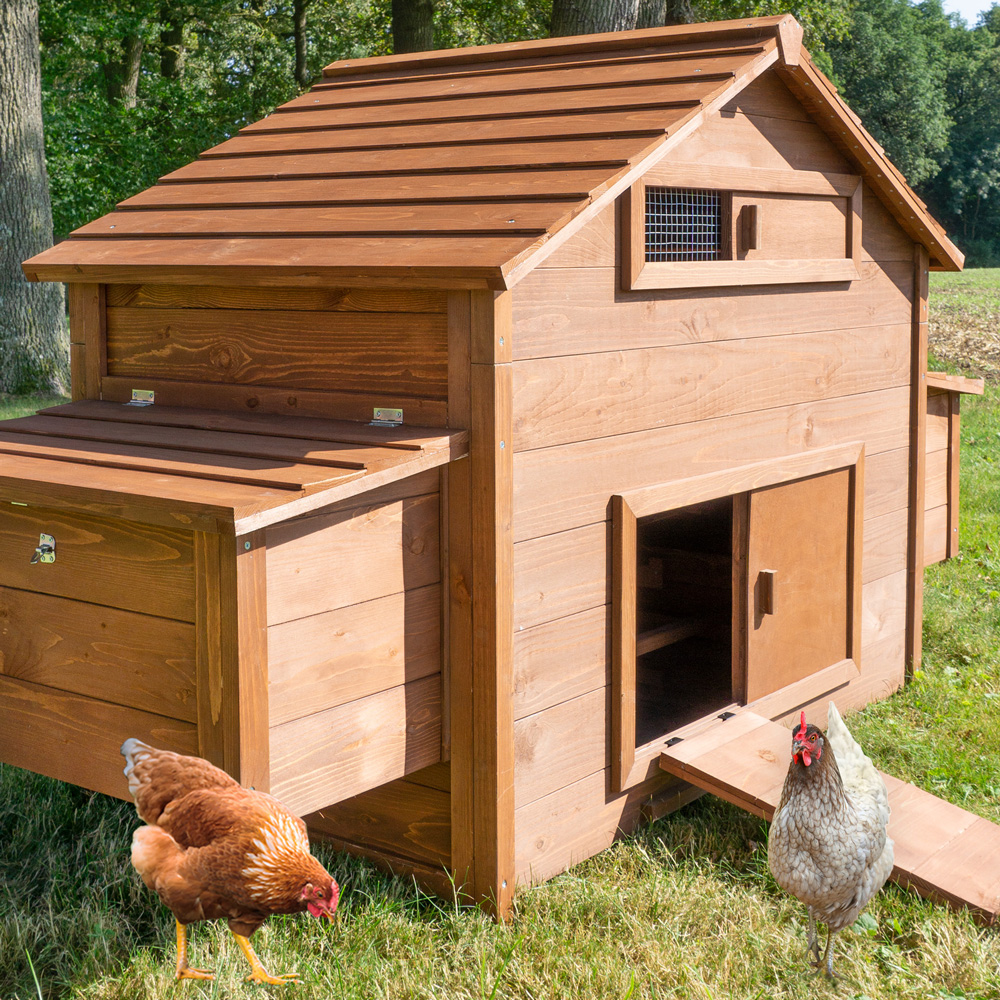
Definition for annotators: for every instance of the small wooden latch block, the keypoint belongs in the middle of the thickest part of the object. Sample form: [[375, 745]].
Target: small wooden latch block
[[749, 228], [765, 591]]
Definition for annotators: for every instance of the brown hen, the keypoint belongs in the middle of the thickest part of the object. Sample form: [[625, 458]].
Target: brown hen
[[214, 849]]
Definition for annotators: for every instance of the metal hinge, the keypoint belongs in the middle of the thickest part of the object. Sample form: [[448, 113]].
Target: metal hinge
[[727, 715], [674, 740], [45, 552], [385, 416], [142, 397]]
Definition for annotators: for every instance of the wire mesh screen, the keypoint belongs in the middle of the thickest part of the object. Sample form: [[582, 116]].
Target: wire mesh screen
[[683, 224]]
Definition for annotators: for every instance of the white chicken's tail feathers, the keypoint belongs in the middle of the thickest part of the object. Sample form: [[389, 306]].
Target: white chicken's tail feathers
[[133, 751], [857, 771]]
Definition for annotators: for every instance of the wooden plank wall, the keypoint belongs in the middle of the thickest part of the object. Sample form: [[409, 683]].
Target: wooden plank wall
[[615, 391], [354, 659], [940, 506], [334, 353], [88, 659]]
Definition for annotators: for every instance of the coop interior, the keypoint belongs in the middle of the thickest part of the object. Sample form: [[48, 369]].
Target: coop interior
[[684, 650]]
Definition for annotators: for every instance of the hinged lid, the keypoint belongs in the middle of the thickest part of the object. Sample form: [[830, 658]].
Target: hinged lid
[[207, 469]]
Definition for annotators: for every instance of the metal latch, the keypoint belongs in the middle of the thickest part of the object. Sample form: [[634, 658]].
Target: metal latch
[[385, 416], [142, 397], [45, 551]]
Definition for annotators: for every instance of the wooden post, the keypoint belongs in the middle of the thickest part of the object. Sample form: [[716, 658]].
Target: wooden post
[[918, 462], [457, 635], [231, 655], [87, 340], [491, 467]]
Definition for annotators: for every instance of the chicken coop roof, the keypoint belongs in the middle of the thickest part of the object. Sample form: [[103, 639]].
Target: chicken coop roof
[[456, 168]]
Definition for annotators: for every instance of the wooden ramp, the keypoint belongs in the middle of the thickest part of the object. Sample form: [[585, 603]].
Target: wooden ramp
[[942, 851]]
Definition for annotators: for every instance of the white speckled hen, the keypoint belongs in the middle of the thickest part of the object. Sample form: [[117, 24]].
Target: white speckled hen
[[828, 844], [214, 849]]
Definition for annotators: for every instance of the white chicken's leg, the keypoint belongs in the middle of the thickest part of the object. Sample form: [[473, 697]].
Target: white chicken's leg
[[828, 956], [812, 946], [258, 973], [184, 971]]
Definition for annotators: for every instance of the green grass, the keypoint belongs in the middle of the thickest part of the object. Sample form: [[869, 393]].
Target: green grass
[[684, 909]]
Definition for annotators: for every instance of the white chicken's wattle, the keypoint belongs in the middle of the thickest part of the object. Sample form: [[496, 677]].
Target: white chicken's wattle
[[828, 844]]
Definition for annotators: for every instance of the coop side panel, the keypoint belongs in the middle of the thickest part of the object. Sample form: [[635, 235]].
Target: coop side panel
[[322, 352], [615, 391], [97, 642], [354, 653]]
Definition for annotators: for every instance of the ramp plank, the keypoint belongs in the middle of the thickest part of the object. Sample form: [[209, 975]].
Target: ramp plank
[[942, 851]]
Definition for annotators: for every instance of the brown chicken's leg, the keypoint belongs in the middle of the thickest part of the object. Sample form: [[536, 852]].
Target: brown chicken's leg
[[259, 974], [184, 971]]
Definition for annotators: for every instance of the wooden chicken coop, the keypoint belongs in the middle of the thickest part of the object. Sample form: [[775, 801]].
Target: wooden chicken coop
[[448, 442]]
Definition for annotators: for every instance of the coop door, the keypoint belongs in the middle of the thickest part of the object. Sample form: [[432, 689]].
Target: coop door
[[799, 555], [740, 588]]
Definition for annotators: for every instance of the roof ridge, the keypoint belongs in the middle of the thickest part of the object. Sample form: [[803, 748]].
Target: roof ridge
[[769, 27]]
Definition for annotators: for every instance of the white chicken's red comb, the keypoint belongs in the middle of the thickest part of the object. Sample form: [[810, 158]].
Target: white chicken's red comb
[[801, 734]]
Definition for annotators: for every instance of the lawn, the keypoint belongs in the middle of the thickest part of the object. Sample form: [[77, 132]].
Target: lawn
[[685, 908]]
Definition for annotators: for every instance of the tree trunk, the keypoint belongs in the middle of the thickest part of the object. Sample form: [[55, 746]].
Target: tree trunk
[[587, 17], [34, 348], [171, 42], [412, 25], [121, 73], [678, 12], [652, 13], [302, 75]]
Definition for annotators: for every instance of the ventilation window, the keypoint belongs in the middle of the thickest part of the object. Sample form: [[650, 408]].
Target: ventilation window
[[683, 224]]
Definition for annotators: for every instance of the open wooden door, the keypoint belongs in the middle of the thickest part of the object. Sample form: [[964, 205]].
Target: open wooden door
[[799, 559]]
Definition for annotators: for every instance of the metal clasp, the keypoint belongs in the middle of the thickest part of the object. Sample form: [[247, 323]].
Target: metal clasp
[[45, 552]]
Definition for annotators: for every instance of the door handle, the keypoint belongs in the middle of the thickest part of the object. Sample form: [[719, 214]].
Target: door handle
[[765, 591]]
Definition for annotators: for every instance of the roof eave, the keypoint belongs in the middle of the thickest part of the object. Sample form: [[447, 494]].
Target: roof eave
[[820, 97]]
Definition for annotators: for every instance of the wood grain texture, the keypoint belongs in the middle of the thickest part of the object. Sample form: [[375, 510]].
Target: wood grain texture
[[560, 660], [333, 561], [935, 525], [343, 751], [400, 817], [579, 820], [356, 352], [559, 400], [334, 657], [351, 300], [209, 667], [277, 400], [87, 732], [918, 458], [115, 656], [560, 745], [559, 488], [86, 302], [491, 469], [457, 569], [109, 561], [578, 311], [561, 574], [624, 611]]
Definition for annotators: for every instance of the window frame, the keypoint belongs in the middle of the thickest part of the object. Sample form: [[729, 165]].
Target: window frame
[[638, 274], [631, 765]]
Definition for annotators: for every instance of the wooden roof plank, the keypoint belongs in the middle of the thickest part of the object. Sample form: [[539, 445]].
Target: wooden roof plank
[[579, 61], [742, 28], [299, 134], [195, 465], [540, 79], [188, 440], [349, 220], [549, 152], [406, 438], [575, 183]]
